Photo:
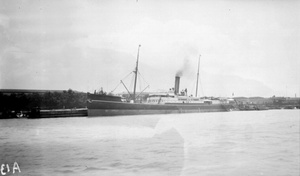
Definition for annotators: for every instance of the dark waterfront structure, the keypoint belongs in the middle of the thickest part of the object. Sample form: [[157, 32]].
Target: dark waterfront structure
[[20, 103], [269, 103]]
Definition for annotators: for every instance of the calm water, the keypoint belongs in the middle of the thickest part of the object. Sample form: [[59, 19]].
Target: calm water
[[232, 143]]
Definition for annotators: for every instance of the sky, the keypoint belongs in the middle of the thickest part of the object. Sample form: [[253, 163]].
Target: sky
[[247, 48]]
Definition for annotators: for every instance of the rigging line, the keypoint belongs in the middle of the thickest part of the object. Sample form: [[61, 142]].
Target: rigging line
[[143, 78], [120, 82], [201, 86], [193, 88], [131, 83], [116, 87], [140, 83], [142, 91], [127, 75]]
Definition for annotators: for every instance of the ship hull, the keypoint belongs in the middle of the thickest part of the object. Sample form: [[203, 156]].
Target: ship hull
[[109, 108]]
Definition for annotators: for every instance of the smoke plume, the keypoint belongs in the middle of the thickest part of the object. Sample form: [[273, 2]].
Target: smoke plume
[[185, 67]]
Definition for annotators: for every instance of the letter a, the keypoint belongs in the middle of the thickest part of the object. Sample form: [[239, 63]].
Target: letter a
[[16, 167]]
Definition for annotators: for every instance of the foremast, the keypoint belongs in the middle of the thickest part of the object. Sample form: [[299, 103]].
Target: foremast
[[136, 73]]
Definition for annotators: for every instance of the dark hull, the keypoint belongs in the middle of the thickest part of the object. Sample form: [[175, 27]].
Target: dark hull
[[103, 97], [109, 108]]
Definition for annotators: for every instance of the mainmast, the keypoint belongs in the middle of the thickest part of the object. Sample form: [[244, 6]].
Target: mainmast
[[136, 72], [198, 75]]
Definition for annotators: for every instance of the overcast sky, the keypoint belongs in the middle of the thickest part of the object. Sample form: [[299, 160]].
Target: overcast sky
[[249, 48]]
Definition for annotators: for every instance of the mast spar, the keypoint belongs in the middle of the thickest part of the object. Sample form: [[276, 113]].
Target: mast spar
[[198, 75], [136, 72]]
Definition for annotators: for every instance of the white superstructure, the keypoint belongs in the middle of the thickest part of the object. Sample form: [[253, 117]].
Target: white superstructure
[[164, 98]]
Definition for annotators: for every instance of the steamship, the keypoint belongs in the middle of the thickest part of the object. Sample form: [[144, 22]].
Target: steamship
[[170, 102]]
